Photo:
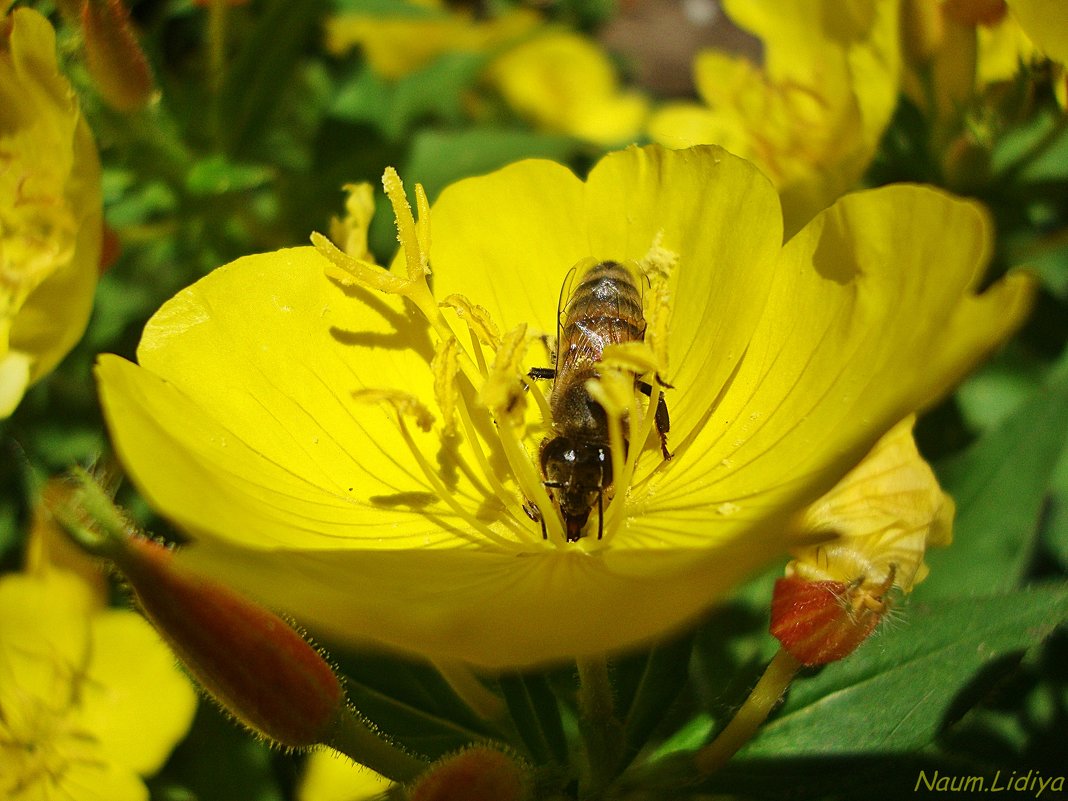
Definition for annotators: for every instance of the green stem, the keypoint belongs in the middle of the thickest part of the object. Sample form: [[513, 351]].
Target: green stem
[[356, 740], [762, 699], [602, 732], [463, 681]]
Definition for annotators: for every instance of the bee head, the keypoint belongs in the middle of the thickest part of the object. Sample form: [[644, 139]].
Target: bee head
[[580, 471]]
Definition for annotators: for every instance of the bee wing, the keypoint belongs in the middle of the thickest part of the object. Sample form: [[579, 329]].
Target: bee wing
[[561, 306]]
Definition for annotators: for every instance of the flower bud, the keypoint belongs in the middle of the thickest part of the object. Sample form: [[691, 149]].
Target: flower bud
[[247, 658], [871, 532], [823, 621], [476, 774], [114, 57]]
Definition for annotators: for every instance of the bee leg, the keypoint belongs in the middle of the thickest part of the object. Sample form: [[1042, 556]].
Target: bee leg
[[663, 425], [663, 420], [600, 513], [542, 373]]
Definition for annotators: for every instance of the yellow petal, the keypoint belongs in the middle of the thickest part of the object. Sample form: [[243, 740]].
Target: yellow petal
[[261, 435], [883, 516], [138, 703], [1045, 23], [872, 316], [328, 776]]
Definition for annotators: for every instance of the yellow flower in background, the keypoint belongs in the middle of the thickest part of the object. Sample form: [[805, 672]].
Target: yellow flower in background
[[565, 83], [560, 81], [50, 208], [407, 523], [414, 34], [811, 117], [331, 777], [91, 700]]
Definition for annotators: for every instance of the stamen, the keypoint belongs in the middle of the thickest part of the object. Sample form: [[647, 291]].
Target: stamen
[[365, 273], [503, 395], [406, 405], [540, 400], [509, 499], [407, 234], [444, 368]]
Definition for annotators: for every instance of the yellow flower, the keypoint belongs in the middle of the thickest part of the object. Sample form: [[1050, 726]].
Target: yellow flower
[[90, 700], [869, 534], [331, 777], [248, 424], [50, 208], [399, 44], [565, 83], [812, 116]]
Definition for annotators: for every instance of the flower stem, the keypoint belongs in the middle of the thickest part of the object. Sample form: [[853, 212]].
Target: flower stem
[[601, 730], [763, 698], [463, 681], [356, 740]]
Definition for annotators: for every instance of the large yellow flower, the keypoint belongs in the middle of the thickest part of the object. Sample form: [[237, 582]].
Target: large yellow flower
[[247, 421], [50, 208], [90, 699], [811, 116]]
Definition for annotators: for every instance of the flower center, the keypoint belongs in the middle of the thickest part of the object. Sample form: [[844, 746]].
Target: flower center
[[483, 391]]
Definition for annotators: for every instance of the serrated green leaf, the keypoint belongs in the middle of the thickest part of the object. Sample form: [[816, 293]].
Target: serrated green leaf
[[999, 485], [894, 693]]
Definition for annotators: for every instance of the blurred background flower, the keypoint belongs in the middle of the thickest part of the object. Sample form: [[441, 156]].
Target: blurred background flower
[[50, 208]]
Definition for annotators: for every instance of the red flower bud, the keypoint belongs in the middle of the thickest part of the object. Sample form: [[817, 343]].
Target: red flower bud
[[114, 56], [247, 658], [823, 621], [477, 774]]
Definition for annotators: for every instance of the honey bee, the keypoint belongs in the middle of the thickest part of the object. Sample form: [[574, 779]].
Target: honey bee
[[605, 308]]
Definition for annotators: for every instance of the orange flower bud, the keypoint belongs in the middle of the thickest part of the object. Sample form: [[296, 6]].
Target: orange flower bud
[[114, 56], [823, 621], [247, 658], [477, 774]]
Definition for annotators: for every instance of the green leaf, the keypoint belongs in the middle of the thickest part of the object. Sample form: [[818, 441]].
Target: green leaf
[[219, 761], [1000, 484], [534, 710], [217, 175], [894, 694], [264, 65], [412, 704], [435, 91], [646, 686], [439, 158]]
